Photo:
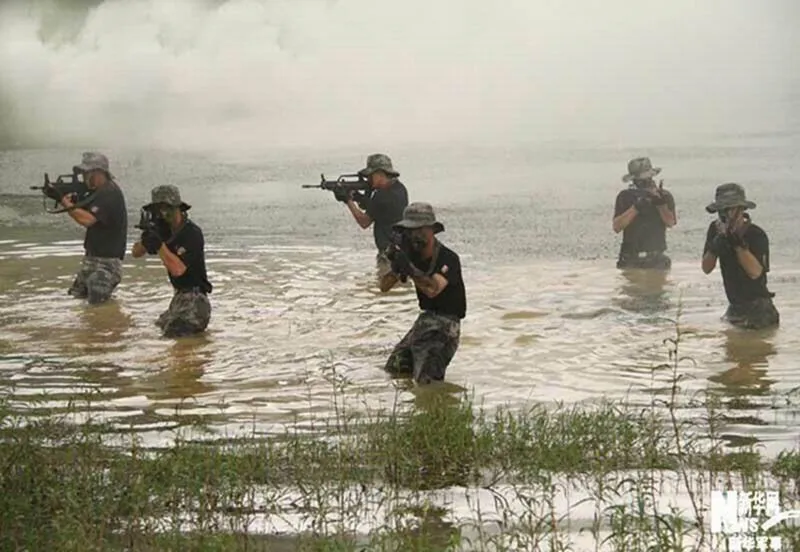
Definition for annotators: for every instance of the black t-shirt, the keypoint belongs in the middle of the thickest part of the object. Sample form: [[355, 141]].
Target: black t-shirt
[[739, 287], [647, 232], [385, 208], [188, 244], [453, 299], [108, 236]]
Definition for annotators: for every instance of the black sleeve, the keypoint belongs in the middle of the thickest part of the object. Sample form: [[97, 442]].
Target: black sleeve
[[188, 246], [624, 201], [106, 206], [758, 243], [449, 266]]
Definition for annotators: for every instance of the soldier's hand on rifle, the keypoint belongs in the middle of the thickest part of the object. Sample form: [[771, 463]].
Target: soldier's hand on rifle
[[719, 243], [52, 192], [151, 240], [341, 194], [658, 199]]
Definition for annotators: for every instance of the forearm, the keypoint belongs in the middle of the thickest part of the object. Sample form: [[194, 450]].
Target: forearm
[[667, 216], [171, 261], [622, 221], [749, 262], [709, 262], [363, 219], [427, 285], [81, 216]]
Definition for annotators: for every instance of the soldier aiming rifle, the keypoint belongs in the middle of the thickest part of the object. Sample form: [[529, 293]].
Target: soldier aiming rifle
[[168, 232], [93, 199], [375, 197]]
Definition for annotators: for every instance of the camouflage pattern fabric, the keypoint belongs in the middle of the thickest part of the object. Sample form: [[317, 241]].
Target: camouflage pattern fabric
[[94, 161], [755, 315], [654, 260], [640, 168], [378, 162], [167, 194], [189, 312], [427, 349], [97, 279]]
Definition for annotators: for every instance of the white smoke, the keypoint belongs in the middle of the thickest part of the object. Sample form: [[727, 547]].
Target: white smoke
[[268, 73]]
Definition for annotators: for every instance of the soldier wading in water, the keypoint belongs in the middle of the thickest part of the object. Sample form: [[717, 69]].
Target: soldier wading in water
[[382, 206], [429, 346], [180, 245], [643, 212], [743, 252], [105, 218]]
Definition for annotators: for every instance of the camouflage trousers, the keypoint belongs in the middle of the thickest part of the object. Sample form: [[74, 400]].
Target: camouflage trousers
[[97, 279], [645, 259], [427, 349], [189, 312], [754, 315]]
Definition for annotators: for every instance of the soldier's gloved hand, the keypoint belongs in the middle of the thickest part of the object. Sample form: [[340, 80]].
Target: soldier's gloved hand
[[736, 240], [719, 243], [658, 199], [52, 192], [151, 241], [341, 194]]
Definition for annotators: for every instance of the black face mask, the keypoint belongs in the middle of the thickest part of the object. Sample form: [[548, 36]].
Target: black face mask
[[642, 184]]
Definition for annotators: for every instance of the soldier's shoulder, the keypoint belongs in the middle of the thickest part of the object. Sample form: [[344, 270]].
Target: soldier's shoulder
[[448, 252], [755, 230]]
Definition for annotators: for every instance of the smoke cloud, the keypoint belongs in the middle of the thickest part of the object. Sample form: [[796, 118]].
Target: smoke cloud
[[248, 74]]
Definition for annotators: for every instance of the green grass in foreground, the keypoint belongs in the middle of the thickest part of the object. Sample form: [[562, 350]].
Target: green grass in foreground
[[63, 488]]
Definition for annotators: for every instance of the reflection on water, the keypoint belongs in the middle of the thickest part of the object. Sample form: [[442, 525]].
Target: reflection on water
[[644, 291], [178, 372], [745, 383], [286, 318], [748, 352]]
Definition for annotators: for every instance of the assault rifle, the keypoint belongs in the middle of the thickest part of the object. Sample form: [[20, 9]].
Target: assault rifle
[[149, 220], [346, 182], [71, 185], [400, 239]]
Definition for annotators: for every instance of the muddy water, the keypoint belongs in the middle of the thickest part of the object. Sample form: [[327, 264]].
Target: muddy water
[[296, 311]]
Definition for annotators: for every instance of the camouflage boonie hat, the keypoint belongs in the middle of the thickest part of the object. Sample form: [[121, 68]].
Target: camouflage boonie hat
[[93, 161], [419, 215], [727, 196], [640, 169], [378, 162], [167, 195]]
